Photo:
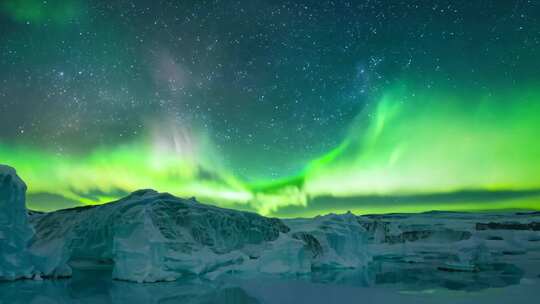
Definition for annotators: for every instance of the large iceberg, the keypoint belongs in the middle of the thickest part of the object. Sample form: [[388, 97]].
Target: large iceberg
[[17, 260], [150, 236]]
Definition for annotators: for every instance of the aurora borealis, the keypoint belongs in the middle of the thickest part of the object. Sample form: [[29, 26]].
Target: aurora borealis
[[287, 108]]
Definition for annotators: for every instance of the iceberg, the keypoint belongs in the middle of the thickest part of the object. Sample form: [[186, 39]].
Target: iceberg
[[15, 231], [335, 240], [17, 259], [150, 236]]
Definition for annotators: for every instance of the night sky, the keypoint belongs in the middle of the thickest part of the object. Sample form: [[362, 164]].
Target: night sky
[[286, 108]]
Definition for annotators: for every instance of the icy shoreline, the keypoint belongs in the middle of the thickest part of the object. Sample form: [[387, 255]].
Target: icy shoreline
[[152, 237]]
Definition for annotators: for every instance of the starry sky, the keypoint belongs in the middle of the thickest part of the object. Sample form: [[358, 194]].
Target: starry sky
[[286, 108]]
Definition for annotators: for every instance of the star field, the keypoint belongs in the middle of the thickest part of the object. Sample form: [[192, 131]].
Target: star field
[[253, 91]]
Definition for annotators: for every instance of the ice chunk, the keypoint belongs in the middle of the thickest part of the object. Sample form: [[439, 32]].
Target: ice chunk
[[17, 257], [286, 255], [15, 231], [336, 241]]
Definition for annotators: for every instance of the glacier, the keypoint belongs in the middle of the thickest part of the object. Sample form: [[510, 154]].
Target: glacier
[[152, 237]]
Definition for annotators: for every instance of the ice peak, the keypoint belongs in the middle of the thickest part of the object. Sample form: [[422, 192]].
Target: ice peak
[[8, 175], [143, 192]]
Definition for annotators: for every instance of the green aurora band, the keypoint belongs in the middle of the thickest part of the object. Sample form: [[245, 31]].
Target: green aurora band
[[411, 154], [58, 12]]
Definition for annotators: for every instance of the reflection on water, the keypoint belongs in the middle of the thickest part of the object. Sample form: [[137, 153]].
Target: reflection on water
[[417, 276], [414, 276], [95, 286]]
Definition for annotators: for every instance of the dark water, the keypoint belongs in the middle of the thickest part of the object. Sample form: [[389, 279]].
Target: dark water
[[381, 282]]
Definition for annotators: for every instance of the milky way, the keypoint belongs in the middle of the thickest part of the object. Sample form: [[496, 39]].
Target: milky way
[[280, 107]]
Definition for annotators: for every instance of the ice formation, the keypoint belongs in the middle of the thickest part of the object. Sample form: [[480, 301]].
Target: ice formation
[[15, 231], [17, 260], [150, 236], [335, 241]]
